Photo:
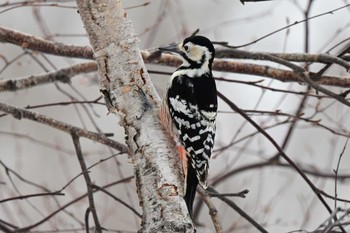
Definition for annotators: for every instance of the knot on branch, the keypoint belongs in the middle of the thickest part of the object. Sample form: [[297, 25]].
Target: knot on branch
[[344, 94], [17, 114], [63, 77], [167, 190], [11, 85], [74, 132], [108, 101], [186, 227]]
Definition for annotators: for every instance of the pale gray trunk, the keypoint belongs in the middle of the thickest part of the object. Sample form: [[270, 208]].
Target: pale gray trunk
[[129, 92]]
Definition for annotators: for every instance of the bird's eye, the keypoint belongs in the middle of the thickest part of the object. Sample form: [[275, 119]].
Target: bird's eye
[[186, 47]]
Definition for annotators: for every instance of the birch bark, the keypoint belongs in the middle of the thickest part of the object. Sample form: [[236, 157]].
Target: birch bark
[[129, 92]]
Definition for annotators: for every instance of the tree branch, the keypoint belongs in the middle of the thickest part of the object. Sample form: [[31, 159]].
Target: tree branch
[[150, 56], [62, 75], [295, 57], [26, 229], [212, 211], [249, 69], [27, 41], [281, 152], [239, 211], [20, 113]]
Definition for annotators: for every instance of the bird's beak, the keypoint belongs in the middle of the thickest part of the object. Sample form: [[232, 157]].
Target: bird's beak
[[172, 48]]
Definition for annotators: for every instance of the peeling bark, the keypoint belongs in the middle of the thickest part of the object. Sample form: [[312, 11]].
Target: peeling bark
[[130, 93]]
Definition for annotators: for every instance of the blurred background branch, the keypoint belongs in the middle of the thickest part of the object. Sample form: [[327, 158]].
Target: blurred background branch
[[46, 64]]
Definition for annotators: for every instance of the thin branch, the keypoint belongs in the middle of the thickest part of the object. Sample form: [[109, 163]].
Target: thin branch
[[239, 211], [293, 124], [10, 171], [256, 84], [328, 225], [26, 229], [117, 199], [27, 41], [335, 198], [88, 182], [283, 28], [249, 69], [5, 227], [62, 75], [31, 195], [295, 57], [241, 194], [88, 168], [20, 113], [65, 103], [86, 218], [307, 78], [38, 44], [336, 171], [276, 163], [213, 212], [33, 4], [274, 143]]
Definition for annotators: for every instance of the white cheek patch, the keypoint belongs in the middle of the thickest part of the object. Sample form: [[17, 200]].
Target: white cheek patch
[[196, 53]]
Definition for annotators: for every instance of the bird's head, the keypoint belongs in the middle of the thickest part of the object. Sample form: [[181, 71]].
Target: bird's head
[[195, 52]]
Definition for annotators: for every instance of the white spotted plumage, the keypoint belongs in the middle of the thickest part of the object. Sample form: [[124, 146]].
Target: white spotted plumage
[[189, 109]]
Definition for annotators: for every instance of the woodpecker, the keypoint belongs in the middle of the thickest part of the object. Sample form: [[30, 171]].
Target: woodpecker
[[189, 108]]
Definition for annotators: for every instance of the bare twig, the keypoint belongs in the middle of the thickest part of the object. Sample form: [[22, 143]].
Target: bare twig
[[91, 166], [31, 195], [26, 229], [6, 227], [274, 143], [295, 57], [239, 211], [88, 182], [117, 199], [292, 126], [336, 171], [20, 113], [307, 78], [241, 194], [276, 163], [213, 212], [286, 27]]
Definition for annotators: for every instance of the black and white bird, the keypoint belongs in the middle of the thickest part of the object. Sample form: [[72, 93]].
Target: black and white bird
[[189, 110]]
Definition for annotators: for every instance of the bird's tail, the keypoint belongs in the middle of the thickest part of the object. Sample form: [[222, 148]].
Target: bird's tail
[[191, 187]]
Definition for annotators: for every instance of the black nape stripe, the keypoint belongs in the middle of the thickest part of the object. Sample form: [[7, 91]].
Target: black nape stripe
[[193, 64]]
